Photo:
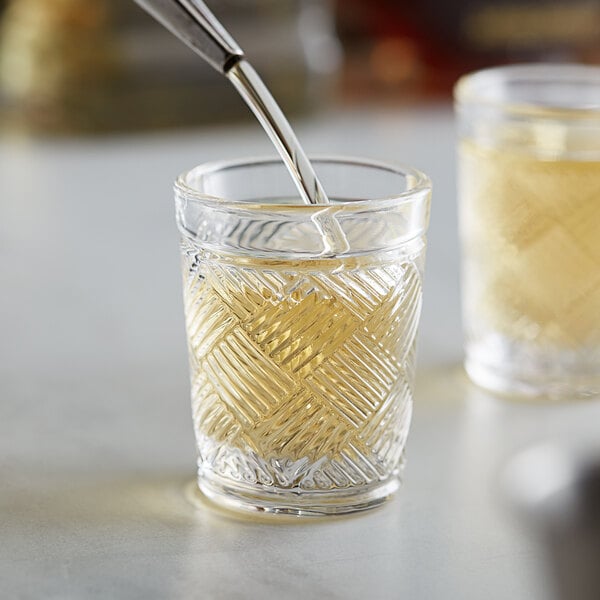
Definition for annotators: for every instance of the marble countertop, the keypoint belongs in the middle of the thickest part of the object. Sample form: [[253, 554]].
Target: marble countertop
[[96, 444]]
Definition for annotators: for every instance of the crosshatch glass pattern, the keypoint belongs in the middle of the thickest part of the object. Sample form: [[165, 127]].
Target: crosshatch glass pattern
[[301, 343], [301, 373]]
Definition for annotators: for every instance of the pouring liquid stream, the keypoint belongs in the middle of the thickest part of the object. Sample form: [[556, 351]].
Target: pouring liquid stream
[[194, 24], [257, 96]]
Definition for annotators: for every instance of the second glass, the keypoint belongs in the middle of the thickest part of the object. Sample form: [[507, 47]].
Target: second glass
[[302, 348], [529, 182]]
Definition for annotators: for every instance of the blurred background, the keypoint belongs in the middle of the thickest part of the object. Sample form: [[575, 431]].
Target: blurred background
[[105, 65]]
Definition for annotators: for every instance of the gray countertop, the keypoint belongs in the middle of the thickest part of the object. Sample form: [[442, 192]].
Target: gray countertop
[[96, 444]]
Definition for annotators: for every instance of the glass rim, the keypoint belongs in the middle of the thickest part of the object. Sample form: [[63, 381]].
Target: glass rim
[[421, 184], [482, 88]]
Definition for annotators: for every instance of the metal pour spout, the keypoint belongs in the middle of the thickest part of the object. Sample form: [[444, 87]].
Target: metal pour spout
[[193, 23]]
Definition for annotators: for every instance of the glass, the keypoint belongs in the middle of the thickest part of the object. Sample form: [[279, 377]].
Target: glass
[[529, 191], [301, 358]]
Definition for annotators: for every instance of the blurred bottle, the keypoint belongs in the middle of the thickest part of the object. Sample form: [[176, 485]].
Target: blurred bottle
[[81, 65], [556, 491], [58, 61], [421, 47]]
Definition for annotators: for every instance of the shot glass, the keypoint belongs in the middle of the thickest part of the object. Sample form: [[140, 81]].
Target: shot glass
[[301, 347], [529, 196]]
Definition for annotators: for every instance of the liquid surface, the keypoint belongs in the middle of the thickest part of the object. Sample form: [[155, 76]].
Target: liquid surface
[[301, 372], [531, 235]]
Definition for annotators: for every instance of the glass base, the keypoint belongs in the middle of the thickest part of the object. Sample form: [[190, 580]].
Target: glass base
[[247, 499], [524, 370]]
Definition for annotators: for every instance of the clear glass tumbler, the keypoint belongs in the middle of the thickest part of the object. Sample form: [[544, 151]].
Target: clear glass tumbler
[[529, 191], [301, 339]]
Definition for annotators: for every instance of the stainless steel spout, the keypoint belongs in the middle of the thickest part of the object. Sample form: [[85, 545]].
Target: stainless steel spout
[[193, 23]]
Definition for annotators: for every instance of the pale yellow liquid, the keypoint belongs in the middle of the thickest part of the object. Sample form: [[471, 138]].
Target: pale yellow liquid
[[531, 231], [302, 372]]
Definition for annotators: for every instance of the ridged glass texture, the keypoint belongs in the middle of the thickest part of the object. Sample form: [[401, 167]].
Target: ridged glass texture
[[302, 364]]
